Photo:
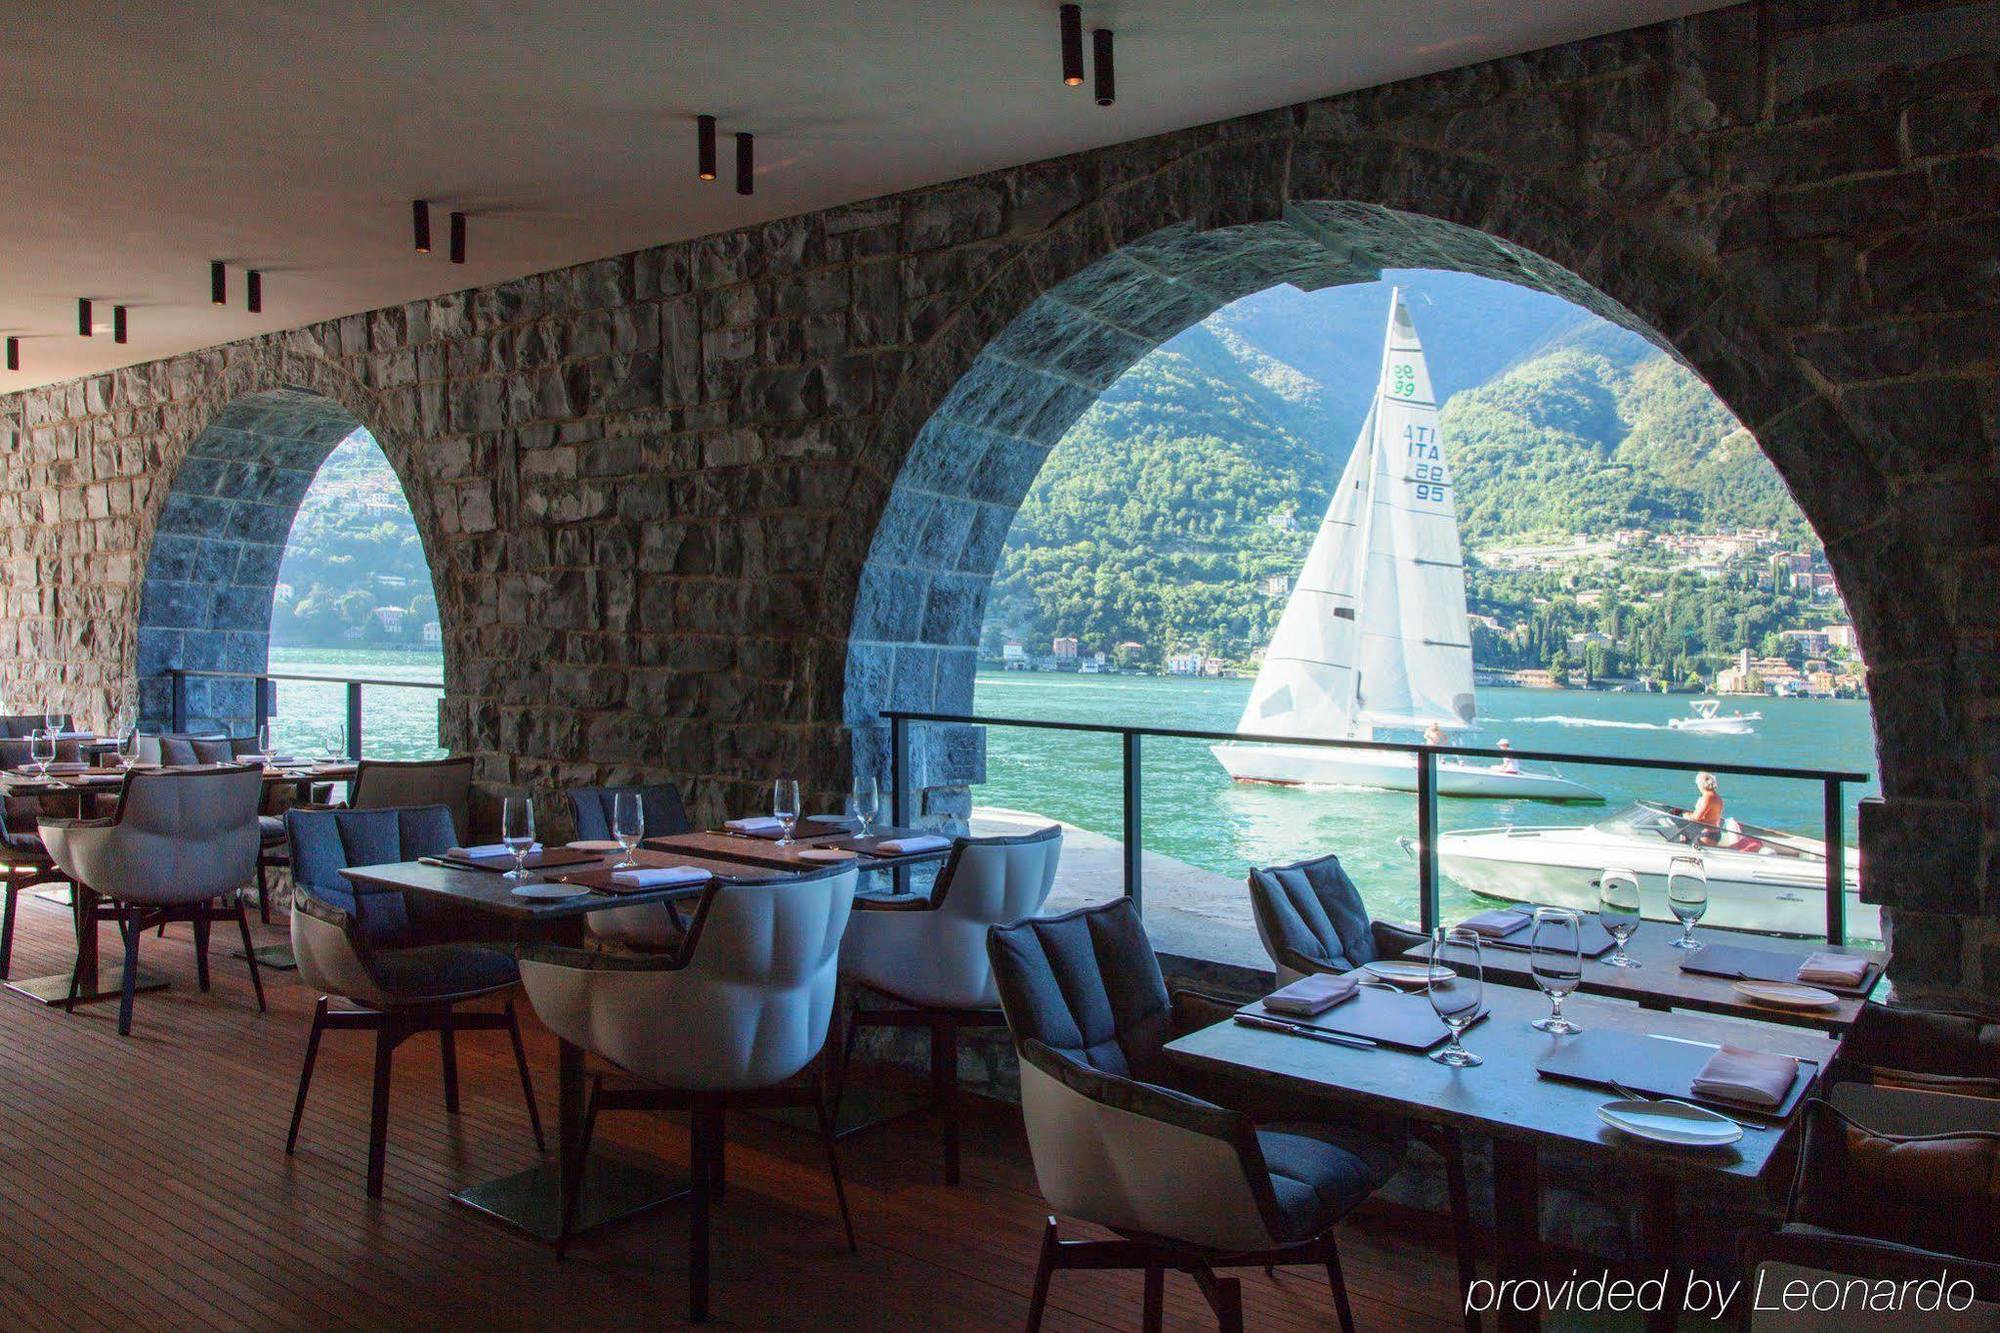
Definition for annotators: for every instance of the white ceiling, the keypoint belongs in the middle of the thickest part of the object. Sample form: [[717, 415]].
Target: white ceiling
[[141, 140]]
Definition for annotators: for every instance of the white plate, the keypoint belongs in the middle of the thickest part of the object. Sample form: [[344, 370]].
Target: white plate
[[1677, 1123], [549, 892], [1402, 973], [825, 854], [596, 845], [1787, 994]]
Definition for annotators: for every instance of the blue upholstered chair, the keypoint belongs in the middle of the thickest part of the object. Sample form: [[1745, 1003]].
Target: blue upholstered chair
[[24, 725], [1311, 919], [1189, 1184], [405, 963], [660, 802]]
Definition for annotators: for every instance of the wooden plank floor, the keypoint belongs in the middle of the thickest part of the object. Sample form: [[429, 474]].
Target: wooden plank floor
[[143, 1182]]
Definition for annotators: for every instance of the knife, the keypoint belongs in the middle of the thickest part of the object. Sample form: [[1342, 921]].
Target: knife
[[1305, 1030]]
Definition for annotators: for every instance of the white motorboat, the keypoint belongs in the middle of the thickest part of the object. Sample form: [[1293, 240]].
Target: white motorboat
[[1710, 720], [1375, 635], [1758, 879], [1311, 765]]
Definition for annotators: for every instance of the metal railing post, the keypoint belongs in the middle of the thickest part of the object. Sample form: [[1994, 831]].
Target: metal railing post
[[1836, 864], [1428, 910], [260, 704], [178, 714], [1134, 824], [899, 772], [354, 719]]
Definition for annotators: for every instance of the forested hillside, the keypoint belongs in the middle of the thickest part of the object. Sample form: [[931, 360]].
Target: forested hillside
[[354, 550]]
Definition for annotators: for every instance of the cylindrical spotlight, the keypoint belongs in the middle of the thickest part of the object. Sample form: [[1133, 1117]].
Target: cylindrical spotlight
[[118, 323], [420, 223], [744, 164], [218, 283], [458, 238], [1100, 49], [704, 147], [1072, 44], [13, 354], [253, 288], [83, 316]]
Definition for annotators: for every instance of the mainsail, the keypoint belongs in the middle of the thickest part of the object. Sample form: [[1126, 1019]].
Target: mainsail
[[1375, 633]]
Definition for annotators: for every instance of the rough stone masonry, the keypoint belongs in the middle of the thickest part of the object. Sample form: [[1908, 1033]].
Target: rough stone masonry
[[698, 511]]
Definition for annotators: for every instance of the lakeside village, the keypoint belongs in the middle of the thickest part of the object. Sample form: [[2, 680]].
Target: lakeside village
[[1815, 658]]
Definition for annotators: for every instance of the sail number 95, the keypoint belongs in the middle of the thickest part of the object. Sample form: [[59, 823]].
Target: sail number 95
[[1430, 481]]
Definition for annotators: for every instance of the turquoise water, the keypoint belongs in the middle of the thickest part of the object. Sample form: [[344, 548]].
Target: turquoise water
[[397, 723], [1193, 812]]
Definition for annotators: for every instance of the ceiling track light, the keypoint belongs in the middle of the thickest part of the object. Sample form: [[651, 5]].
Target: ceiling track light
[[704, 144], [745, 165], [218, 283], [253, 288], [13, 354], [458, 238], [83, 316], [1100, 50], [420, 223], [1072, 44], [118, 323]]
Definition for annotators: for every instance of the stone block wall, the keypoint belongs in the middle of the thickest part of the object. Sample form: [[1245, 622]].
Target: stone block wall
[[697, 511]]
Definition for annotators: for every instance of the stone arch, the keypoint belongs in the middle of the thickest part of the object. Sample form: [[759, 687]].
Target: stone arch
[[217, 543], [1068, 312]]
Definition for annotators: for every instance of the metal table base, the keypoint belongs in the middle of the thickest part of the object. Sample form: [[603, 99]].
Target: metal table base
[[110, 985], [612, 1191]]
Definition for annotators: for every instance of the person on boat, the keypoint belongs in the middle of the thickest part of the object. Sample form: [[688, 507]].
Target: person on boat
[[1707, 810], [1508, 764], [1434, 735]]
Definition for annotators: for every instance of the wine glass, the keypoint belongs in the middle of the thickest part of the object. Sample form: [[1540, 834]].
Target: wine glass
[[628, 823], [867, 800], [42, 749], [1687, 896], [1555, 955], [517, 830], [1618, 909], [334, 741], [267, 743], [785, 805], [1455, 988], [125, 728], [53, 721]]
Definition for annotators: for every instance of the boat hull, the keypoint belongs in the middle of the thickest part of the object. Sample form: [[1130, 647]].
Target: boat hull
[[1509, 864], [1390, 770], [1720, 726]]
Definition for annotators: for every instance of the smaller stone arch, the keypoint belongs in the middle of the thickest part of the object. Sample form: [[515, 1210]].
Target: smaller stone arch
[[205, 602]]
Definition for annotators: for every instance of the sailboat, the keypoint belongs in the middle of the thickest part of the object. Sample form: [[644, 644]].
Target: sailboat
[[1375, 634]]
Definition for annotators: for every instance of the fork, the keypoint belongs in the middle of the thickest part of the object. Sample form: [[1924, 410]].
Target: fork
[[1632, 1096]]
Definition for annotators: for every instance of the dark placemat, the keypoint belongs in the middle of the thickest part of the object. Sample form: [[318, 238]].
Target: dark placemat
[[1597, 941], [872, 844], [601, 880], [1736, 963], [1658, 1066], [549, 858], [805, 828], [1404, 1020]]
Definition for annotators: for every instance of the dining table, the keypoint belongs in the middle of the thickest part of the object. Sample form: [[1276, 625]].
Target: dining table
[[811, 840], [1530, 1117], [533, 1200], [1661, 982]]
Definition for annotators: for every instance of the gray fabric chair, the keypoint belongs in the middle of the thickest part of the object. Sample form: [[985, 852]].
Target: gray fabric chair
[[383, 784], [659, 802], [928, 954], [26, 724], [404, 962], [17, 752], [1311, 919], [1188, 1184], [181, 847], [24, 861]]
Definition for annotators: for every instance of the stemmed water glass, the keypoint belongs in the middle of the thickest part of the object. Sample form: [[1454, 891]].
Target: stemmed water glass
[[1618, 909], [1555, 955], [267, 743], [628, 823], [785, 806], [1687, 896], [42, 749], [127, 732], [866, 800], [1456, 988], [53, 721], [334, 741], [517, 830]]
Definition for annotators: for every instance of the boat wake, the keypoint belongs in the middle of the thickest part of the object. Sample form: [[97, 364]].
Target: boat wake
[[1564, 720]]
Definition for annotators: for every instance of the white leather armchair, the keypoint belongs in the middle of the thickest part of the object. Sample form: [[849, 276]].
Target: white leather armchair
[[928, 954], [180, 847], [728, 1020]]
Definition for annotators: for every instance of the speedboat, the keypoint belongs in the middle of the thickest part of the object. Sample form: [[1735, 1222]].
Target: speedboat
[[1391, 770], [1758, 879], [1710, 720]]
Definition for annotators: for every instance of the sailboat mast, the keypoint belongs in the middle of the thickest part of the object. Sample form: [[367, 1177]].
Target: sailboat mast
[[1361, 550]]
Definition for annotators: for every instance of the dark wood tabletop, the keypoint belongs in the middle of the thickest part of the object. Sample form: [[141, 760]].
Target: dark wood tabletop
[[18, 783], [492, 891], [747, 849], [1659, 982], [1505, 1098]]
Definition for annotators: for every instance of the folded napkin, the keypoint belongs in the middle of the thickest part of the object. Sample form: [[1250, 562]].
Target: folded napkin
[[1735, 1074], [755, 824], [653, 877], [1833, 969], [1310, 995], [67, 766], [270, 760], [1493, 925], [491, 851], [918, 842]]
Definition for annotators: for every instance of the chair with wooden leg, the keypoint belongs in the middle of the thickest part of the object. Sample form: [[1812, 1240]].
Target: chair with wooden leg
[[927, 955], [181, 846], [736, 1018], [404, 968]]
